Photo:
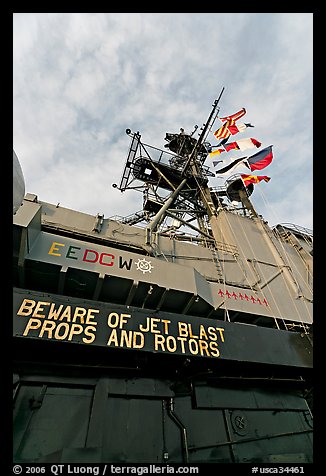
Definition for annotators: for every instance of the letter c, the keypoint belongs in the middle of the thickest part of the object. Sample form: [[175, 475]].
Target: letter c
[[110, 263]]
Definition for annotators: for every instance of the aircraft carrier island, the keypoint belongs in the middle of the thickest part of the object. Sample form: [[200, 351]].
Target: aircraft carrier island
[[179, 334]]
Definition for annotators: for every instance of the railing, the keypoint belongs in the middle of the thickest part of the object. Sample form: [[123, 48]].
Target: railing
[[295, 228]]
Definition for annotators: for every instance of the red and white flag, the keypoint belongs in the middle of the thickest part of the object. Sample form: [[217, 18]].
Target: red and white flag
[[242, 144]]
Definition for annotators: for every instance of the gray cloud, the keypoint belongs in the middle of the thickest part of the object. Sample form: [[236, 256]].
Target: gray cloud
[[81, 79]]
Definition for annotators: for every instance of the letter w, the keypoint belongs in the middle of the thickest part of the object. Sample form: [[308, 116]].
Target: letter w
[[53, 314], [123, 264]]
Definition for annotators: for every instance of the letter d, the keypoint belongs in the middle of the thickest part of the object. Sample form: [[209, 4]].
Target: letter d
[[90, 260]]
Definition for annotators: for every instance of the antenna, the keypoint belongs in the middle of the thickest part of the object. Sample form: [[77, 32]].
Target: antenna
[[200, 141]]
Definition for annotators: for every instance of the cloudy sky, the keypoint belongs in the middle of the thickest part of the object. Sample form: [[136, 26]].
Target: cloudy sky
[[81, 79]]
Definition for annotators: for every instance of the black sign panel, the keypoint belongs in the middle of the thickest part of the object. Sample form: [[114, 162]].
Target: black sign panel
[[93, 323], [96, 323]]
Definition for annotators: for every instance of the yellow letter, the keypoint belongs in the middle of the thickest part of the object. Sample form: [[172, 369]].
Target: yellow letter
[[202, 332], [48, 327], [90, 317], [123, 319], [28, 304], [182, 341], [154, 321], [80, 314], [113, 338], [54, 248], [40, 308], [171, 343], [66, 314], [157, 339], [183, 329], [32, 324], [212, 333], [145, 329], [75, 329], [213, 347], [221, 331], [91, 335], [116, 319], [126, 338], [53, 313], [135, 344], [66, 329], [166, 325], [203, 346], [193, 348]]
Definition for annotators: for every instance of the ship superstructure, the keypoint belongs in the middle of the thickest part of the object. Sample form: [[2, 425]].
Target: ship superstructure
[[179, 334]]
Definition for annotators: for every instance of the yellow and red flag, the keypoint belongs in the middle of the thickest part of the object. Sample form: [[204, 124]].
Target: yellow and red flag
[[234, 117], [229, 127], [248, 179]]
